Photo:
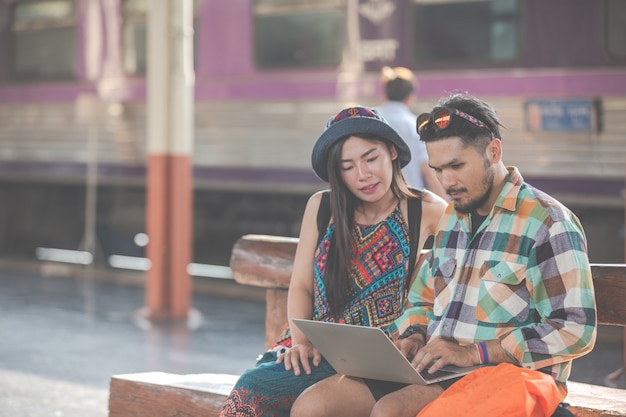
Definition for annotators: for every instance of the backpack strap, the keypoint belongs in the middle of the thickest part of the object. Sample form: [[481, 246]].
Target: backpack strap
[[323, 216], [415, 220]]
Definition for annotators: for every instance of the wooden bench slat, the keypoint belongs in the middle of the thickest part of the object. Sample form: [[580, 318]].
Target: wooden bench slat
[[159, 394], [267, 261], [263, 261], [596, 401], [610, 290]]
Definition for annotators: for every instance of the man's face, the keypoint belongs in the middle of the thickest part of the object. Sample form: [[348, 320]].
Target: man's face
[[466, 175]]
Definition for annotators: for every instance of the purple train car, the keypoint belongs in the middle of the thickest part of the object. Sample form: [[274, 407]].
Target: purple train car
[[268, 74]]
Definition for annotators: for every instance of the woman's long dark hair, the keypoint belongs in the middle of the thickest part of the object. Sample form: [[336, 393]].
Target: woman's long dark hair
[[343, 205]]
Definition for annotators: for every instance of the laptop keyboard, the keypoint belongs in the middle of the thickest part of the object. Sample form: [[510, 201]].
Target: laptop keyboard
[[440, 373]]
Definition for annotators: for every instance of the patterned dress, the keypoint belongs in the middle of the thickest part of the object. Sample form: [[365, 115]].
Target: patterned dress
[[378, 276]]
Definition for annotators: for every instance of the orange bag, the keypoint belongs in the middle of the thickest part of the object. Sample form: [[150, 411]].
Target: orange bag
[[498, 391]]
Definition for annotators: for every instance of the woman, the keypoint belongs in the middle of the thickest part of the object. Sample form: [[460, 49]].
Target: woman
[[357, 269]]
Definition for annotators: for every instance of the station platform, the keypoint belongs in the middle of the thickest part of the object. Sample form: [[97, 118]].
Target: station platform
[[66, 331]]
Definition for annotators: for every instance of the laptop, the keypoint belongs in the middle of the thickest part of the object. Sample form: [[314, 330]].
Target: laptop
[[367, 352]]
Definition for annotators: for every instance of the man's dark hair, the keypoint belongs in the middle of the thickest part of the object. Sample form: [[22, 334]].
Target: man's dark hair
[[398, 89], [466, 130]]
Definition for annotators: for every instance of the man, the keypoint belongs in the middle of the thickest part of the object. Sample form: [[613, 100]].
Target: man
[[508, 279], [399, 89]]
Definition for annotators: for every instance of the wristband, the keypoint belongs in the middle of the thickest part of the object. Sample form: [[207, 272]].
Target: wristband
[[482, 352]]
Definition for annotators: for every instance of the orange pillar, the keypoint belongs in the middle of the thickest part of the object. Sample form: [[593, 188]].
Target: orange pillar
[[169, 213], [169, 176]]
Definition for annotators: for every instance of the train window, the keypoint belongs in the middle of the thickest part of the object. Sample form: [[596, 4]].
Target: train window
[[298, 33], [135, 15], [135, 35], [465, 32], [616, 29], [43, 40]]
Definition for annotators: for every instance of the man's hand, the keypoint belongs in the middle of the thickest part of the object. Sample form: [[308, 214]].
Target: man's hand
[[298, 356], [410, 345], [440, 352]]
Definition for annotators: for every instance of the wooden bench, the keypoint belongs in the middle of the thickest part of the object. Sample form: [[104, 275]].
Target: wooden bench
[[266, 261]]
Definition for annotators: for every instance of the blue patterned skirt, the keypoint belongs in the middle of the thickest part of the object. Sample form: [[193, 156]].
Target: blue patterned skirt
[[269, 390]]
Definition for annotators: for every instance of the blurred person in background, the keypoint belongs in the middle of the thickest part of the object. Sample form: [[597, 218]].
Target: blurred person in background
[[399, 89]]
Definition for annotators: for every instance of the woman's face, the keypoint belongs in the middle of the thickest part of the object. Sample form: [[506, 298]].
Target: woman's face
[[366, 167]]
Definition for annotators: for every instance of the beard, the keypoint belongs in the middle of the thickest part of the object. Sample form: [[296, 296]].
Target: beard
[[473, 204]]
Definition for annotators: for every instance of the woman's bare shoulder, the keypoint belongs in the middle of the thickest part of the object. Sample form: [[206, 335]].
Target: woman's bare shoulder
[[433, 206], [312, 205], [430, 198], [315, 199], [317, 196]]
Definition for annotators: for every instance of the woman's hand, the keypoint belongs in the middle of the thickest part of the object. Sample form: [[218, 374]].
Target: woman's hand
[[516, 178], [298, 356]]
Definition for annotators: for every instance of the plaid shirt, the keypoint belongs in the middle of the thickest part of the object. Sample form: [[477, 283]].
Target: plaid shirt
[[523, 278]]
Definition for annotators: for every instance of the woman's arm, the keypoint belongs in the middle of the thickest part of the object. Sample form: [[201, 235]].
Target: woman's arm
[[300, 296]]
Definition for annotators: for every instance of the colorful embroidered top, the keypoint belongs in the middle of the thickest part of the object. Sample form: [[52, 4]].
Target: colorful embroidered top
[[523, 278], [379, 270]]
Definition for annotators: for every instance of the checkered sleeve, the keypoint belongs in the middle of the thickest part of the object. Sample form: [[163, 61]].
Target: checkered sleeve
[[559, 271], [417, 316]]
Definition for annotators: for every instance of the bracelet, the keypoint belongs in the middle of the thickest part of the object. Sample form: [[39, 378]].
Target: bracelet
[[482, 352]]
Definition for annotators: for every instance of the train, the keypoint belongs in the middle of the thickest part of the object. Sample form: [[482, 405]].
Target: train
[[268, 74]]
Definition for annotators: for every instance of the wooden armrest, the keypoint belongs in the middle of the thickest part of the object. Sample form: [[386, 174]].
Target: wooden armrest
[[263, 261]]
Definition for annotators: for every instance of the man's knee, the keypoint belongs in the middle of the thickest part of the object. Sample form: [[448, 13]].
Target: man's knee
[[406, 402], [387, 408]]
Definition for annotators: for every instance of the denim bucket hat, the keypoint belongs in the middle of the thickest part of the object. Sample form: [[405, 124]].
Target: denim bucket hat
[[357, 120]]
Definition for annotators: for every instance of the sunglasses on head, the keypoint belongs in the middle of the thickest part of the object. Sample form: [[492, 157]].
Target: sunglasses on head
[[441, 119]]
